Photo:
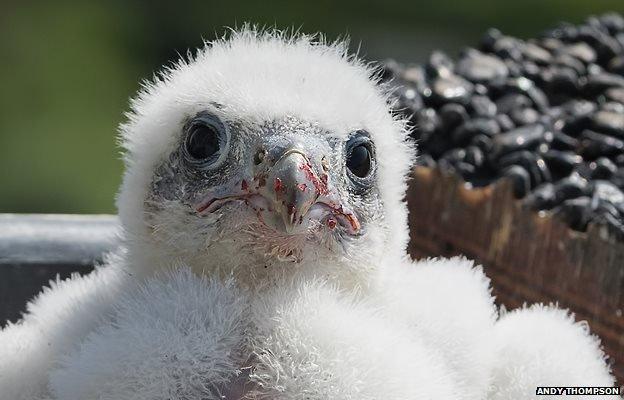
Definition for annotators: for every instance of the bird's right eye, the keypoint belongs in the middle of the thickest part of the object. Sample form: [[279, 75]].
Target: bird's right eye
[[203, 142], [206, 141]]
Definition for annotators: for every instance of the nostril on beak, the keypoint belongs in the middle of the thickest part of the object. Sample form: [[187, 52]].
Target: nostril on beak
[[259, 156], [324, 163]]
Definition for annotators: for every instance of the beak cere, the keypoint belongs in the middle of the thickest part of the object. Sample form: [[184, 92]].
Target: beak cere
[[294, 187]]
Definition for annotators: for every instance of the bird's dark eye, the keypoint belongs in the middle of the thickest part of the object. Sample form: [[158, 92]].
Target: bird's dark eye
[[359, 160], [205, 140], [360, 156], [202, 142]]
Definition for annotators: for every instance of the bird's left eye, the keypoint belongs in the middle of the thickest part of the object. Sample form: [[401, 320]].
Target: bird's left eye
[[359, 159], [206, 140]]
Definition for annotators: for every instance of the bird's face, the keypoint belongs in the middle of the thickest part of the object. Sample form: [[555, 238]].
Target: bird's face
[[280, 190], [265, 152]]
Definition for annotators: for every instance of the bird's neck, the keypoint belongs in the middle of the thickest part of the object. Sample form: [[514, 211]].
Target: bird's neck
[[146, 259]]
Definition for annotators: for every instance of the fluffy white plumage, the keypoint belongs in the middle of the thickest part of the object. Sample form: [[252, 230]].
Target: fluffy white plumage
[[208, 304]]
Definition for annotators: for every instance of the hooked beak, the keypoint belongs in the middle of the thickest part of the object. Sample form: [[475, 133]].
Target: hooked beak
[[294, 187]]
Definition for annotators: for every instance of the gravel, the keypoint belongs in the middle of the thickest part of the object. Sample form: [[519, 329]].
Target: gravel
[[546, 113]]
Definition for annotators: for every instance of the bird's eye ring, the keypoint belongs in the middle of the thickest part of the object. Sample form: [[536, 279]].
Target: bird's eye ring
[[206, 141], [360, 160]]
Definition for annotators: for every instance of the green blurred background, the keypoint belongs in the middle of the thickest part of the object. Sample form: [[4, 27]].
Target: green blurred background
[[67, 70]]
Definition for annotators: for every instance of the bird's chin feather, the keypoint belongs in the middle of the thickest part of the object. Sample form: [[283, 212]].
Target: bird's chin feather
[[284, 247], [200, 240], [256, 237]]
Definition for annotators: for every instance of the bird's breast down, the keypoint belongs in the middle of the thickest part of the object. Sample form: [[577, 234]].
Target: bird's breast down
[[184, 336]]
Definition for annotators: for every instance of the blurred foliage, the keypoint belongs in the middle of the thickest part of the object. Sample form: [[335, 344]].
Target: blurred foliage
[[67, 70]]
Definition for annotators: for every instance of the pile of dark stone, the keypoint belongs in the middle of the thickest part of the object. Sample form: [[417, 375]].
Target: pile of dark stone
[[547, 113]]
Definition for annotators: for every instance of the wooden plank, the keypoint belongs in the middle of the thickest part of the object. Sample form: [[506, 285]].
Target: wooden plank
[[530, 257]]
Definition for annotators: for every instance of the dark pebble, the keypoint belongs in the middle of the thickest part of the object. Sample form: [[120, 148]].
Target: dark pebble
[[575, 212], [451, 89], [520, 179], [483, 142], [564, 30], [452, 115], [571, 187], [515, 68], [605, 191], [480, 89], [489, 38], [478, 67], [465, 169], [415, 75], [614, 225], [578, 107], [536, 53], [575, 124], [526, 137], [551, 44], [562, 163], [565, 60], [484, 126], [509, 102], [612, 106], [474, 156], [446, 166], [581, 51], [562, 83], [482, 106], [619, 37], [539, 98], [615, 94], [602, 168], [456, 159], [505, 122], [454, 155], [524, 86], [543, 197], [507, 47], [599, 83], [533, 163], [561, 141], [439, 64], [602, 208], [605, 46], [524, 116], [436, 144], [613, 22], [594, 144], [608, 122], [594, 69], [531, 70], [616, 65]]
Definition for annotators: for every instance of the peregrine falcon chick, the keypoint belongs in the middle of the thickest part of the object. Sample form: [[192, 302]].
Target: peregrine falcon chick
[[264, 256]]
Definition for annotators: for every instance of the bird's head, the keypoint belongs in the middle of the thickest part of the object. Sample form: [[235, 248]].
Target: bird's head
[[265, 151]]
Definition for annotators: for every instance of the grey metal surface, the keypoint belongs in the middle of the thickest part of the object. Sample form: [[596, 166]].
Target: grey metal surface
[[36, 248], [55, 239]]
